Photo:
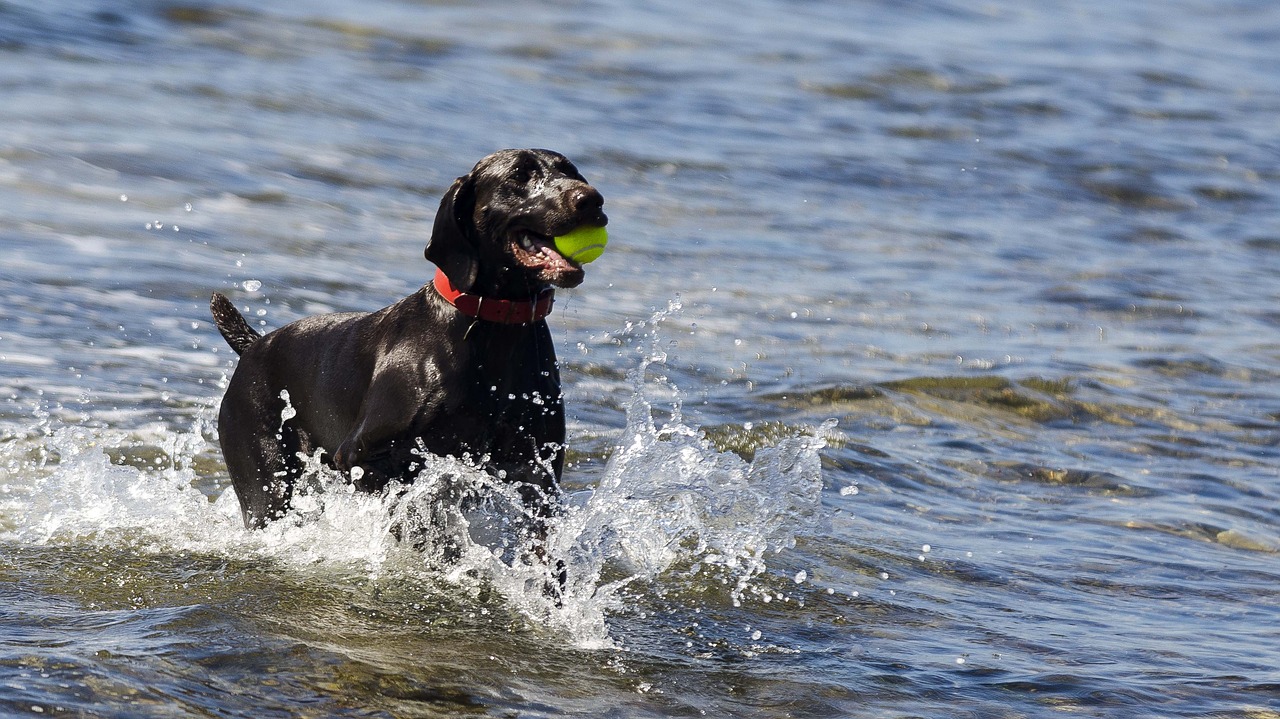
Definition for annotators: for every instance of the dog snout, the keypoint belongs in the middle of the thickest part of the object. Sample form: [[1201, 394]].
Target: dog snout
[[586, 201]]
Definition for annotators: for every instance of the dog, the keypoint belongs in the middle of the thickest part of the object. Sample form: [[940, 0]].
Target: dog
[[463, 367]]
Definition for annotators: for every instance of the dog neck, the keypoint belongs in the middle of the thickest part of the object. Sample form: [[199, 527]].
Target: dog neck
[[507, 312]]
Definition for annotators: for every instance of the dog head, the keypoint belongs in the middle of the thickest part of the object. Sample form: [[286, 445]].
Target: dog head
[[495, 227]]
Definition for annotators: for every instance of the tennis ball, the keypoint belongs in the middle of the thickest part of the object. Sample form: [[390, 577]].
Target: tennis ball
[[583, 244]]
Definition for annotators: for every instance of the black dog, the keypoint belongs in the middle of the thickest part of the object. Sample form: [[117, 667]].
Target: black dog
[[464, 367]]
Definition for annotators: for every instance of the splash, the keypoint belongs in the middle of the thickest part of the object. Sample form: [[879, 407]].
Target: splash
[[668, 510], [669, 499]]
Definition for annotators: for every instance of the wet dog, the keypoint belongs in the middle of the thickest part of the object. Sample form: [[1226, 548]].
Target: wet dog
[[463, 367]]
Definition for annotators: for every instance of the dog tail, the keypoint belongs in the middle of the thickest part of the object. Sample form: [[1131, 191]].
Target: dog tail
[[235, 330]]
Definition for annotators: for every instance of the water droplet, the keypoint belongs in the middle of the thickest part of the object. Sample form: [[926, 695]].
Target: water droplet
[[801, 576], [926, 549], [755, 636], [187, 207], [251, 285], [124, 198]]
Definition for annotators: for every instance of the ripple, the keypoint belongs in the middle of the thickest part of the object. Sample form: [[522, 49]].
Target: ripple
[[1135, 193], [1096, 482]]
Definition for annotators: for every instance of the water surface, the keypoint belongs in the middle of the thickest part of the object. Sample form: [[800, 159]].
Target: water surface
[[1025, 258]]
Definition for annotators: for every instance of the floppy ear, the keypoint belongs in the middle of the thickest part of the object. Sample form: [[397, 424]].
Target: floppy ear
[[451, 247]]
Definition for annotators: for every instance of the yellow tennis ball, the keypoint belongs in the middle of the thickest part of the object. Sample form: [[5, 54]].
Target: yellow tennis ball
[[583, 244]]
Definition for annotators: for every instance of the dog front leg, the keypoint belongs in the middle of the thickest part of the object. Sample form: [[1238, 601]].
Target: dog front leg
[[387, 416]]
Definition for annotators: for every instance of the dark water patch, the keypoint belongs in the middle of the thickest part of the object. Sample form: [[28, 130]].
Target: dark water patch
[[1169, 78], [1140, 194], [925, 132], [1218, 193], [538, 53], [257, 35], [1163, 115], [344, 177], [264, 195], [824, 397], [953, 81], [859, 465], [1178, 446], [383, 44], [1041, 108], [910, 89], [848, 91], [1185, 366], [1125, 300], [595, 370], [1040, 400], [650, 164], [1093, 482], [180, 14], [1271, 318], [966, 446], [1263, 244], [1206, 532], [1149, 235], [79, 35]]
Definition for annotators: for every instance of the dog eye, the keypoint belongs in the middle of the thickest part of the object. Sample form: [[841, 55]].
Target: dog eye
[[522, 174], [566, 168]]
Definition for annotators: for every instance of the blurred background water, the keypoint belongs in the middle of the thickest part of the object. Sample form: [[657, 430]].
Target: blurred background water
[[1024, 255]]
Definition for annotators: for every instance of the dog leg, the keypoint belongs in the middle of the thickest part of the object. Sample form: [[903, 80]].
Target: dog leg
[[393, 405], [260, 449], [260, 471]]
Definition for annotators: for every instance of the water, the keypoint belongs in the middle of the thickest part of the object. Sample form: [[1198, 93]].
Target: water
[[1025, 258]]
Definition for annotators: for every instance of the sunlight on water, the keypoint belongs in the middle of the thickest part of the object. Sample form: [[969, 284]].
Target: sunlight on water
[[667, 503]]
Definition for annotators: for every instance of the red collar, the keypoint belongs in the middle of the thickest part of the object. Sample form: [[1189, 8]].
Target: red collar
[[507, 312]]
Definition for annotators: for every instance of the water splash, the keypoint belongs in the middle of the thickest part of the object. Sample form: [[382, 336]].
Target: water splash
[[669, 510], [668, 498]]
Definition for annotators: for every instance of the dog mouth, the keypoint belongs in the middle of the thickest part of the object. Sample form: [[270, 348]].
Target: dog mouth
[[537, 252]]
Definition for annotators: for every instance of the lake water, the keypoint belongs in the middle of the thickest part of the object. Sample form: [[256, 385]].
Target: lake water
[[933, 369]]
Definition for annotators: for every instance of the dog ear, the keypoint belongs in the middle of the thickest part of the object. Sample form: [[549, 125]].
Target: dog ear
[[451, 247]]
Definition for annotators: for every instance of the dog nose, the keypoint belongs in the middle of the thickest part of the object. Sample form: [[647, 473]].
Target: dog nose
[[585, 198]]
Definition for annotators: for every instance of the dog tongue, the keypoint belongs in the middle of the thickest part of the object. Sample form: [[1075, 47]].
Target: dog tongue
[[542, 255], [553, 259]]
